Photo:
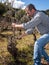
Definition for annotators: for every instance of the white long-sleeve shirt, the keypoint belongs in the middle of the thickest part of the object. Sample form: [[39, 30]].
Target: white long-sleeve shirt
[[40, 21]]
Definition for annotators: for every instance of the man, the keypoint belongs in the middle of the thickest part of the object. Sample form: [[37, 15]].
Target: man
[[41, 21]]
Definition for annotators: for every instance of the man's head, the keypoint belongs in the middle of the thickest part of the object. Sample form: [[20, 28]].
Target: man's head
[[30, 9]]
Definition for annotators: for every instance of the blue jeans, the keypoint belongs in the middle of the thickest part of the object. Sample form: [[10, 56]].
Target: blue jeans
[[39, 49]]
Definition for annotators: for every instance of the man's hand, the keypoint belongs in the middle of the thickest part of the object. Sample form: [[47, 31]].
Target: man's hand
[[13, 24], [22, 35], [17, 25], [19, 37]]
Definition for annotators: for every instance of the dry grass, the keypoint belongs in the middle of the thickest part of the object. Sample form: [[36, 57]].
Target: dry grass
[[25, 44]]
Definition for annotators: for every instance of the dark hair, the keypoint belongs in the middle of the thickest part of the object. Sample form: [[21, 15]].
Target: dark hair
[[30, 7]]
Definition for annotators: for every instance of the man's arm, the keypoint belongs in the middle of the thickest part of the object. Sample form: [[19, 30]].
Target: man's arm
[[28, 31], [17, 25], [35, 21], [30, 24], [22, 35]]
